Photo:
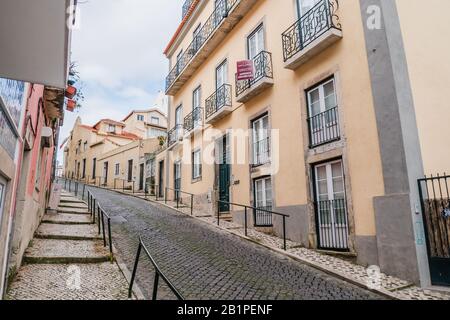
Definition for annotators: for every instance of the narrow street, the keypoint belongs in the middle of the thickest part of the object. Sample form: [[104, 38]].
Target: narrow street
[[206, 263]]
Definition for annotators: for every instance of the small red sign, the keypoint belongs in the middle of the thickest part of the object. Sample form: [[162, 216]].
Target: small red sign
[[245, 70]]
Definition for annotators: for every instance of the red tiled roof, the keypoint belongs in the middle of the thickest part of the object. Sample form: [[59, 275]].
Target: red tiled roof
[[128, 135], [182, 24], [109, 121]]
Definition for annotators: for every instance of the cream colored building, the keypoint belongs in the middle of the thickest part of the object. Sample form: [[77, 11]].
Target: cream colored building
[[86, 144], [346, 110]]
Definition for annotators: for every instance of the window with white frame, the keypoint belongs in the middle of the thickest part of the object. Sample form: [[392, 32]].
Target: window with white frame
[[263, 193], [154, 120], [261, 140], [323, 114], [256, 42], [196, 164], [156, 133], [196, 102], [111, 128], [117, 169], [140, 117]]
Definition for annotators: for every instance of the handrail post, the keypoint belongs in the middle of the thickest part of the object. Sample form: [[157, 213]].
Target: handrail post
[[192, 204], [84, 190], [155, 285], [103, 227], [165, 195], [115, 180], [218, 213], [110, 239], [93, 209], [123, 185], [133, 275], [245, 222], [284, 233], [177, 195], [98, 220]]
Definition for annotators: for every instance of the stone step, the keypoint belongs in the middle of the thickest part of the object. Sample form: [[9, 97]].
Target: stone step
[[67, 218], [48, 251], [100, 281], [73, 210], [73, 205], [67, 232]]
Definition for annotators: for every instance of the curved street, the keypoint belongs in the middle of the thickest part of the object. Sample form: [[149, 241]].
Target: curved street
[[204, 262]]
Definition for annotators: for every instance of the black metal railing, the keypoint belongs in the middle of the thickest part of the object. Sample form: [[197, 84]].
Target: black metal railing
[[321, 18], [193, 119], [186, 6], [262, 64], [324, 128], [263, 217], [332, 224], [255, 211], [158, 274], [220, 13], [175, 134], [178, 198], [261, 152], [218, 100]]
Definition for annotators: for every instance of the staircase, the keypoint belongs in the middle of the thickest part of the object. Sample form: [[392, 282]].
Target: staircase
[[62, 241]]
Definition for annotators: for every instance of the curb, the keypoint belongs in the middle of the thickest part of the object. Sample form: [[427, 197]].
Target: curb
[[383, 292]]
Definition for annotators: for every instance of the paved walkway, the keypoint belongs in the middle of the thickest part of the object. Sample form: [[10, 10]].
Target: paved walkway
[[207, 263], [342, 268], [67, 261]]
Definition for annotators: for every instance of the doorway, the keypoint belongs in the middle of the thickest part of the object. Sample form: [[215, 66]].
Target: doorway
[[141, 176], [161, 178], [105, 173], [223, 145]]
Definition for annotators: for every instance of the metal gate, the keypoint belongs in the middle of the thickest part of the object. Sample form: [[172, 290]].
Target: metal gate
[[435, 200]]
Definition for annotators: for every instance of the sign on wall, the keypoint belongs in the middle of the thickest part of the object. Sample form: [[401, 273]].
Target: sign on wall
[[12, 94], [245, 70]]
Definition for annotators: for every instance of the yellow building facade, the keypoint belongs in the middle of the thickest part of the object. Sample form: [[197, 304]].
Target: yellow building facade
[[334, 128]]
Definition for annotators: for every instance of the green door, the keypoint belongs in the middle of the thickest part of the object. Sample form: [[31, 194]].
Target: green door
[[224, 176]]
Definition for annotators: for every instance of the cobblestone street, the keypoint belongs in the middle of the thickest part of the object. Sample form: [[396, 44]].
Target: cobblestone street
[[206, 263]]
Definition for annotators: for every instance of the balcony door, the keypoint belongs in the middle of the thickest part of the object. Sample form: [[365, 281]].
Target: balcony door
[[323, 115], [196, 103], [221, 74], [177, 179], [263, 201], [303, 6], [331, 207], [178, 121], [261, 143], [255, 42]]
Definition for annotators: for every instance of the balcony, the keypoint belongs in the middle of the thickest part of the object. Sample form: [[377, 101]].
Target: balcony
[[174, 136], [261, 152], [219, 104], [186, 6], [324, 128], [263, 78], [193, 122], [222, 20], [316, 30]]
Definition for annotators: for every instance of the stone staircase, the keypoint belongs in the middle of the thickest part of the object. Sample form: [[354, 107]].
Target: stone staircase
[[62, 241]]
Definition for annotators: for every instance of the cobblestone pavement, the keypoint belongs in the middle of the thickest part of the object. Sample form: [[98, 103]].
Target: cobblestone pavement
[[207, 263]]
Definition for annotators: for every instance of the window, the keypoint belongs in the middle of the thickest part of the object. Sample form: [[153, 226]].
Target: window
[[94, 168], [303, 6], [111, 128], [155, 121], [263, 200], [140, 117], [222, 74], [323, 114], [178, 66], [261, 140], [196, 164], [117, 169], [196, 103], [255, 42], [156, 133], [85, 146], [197, 38], [179, 122]]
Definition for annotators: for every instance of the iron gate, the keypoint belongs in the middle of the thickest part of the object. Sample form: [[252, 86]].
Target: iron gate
[[435, 201]]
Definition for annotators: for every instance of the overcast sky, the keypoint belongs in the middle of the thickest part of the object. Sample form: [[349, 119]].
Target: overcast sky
[[119, 51]]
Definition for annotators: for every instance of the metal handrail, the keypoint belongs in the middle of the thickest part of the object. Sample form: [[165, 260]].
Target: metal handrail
[[283, 215], [158, 273], [191, 195], [94, 209]]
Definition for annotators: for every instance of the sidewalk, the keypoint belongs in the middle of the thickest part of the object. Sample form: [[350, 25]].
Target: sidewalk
[[67, 260], [387, 285]]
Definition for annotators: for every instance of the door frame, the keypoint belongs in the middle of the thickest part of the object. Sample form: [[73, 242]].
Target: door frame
[[141, 176], [222, 157], [161, 177]]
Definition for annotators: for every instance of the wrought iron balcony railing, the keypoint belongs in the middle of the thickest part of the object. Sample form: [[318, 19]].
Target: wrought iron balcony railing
[[218, 100], [324, 128], [314, 23], [262, 64], [332, 224], [261, 152], [223, 7], [263, 216], [175, 135], [193, 120], [186, 6]]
